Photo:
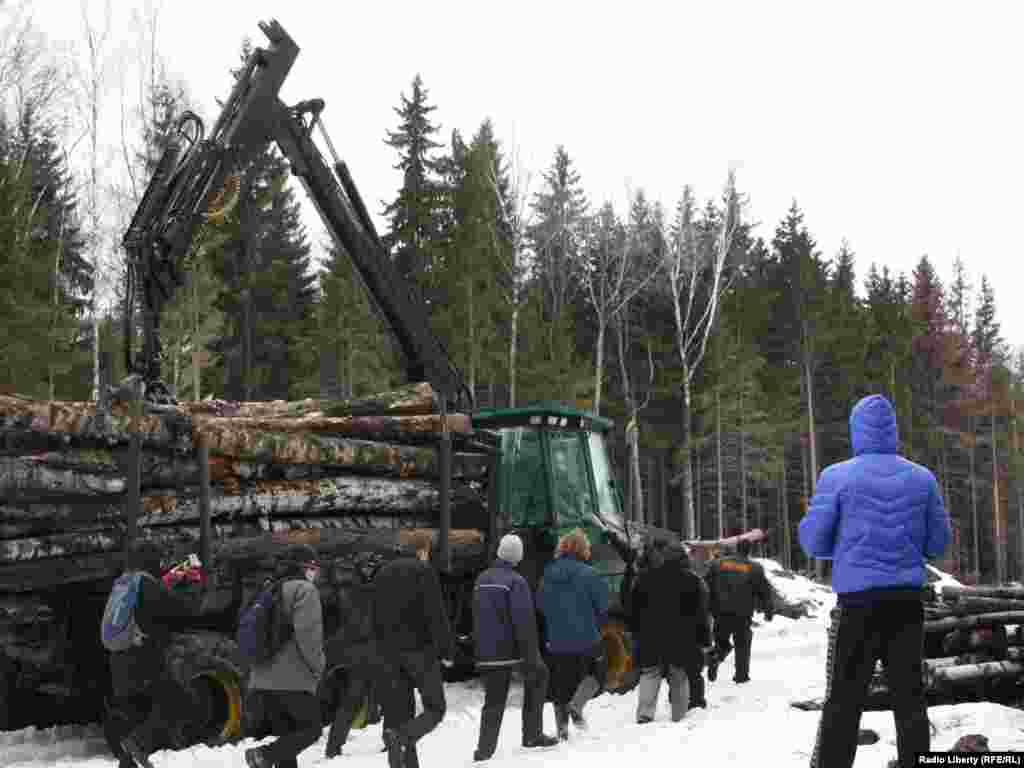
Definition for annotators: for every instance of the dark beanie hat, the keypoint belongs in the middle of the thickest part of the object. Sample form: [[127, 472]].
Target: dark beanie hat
[[299, 553]]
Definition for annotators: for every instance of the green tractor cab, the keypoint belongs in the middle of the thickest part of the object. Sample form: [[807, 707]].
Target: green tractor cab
[[555, 475]]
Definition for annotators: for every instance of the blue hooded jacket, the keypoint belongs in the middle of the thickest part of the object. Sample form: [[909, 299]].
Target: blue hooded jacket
[[878, 515], [574, 601]]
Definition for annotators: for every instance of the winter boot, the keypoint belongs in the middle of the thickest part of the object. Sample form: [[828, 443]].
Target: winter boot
[[134, 750], [562, 721], [543, 741], [255, 758]]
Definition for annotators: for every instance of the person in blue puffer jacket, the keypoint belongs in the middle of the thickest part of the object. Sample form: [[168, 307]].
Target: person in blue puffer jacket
[[877, 517], [574, 601]]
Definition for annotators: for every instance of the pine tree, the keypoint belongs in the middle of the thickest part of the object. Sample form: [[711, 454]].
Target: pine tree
[[414, 215]]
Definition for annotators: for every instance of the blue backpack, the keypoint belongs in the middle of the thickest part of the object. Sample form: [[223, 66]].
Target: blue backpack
[[119, 631], [261, 630]]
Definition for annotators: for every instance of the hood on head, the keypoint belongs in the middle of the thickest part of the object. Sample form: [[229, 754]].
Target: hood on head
[[873, 426]]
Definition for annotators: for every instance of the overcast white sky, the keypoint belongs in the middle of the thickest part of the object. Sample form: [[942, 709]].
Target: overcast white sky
[[896, 125]]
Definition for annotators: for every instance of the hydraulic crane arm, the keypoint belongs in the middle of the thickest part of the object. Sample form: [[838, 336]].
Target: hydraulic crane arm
[[194, 167]]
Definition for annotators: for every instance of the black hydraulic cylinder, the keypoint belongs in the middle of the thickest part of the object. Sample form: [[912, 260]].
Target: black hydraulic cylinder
[[204, 504], [445, 467]]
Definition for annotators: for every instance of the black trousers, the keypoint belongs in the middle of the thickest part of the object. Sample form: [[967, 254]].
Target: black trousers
[[735, 631], [496, 685], [294, 718], [359, 686], [401, 674], [892, 631], [695, 674], [152, 717], [568, 670]]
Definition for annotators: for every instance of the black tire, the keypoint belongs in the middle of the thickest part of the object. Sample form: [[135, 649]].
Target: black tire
[[209, 667]]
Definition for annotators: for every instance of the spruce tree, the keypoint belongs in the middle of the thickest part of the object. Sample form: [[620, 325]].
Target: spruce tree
[[414, 214]]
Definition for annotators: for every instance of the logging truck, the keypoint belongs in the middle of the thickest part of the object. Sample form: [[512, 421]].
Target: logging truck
[[236, 482]]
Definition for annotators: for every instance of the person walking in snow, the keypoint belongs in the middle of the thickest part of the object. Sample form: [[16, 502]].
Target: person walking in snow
[[505, 632], [877, 516], [574, 601], [670, 615], [287, 684], [413, 636], [737, 587], [147, 706]]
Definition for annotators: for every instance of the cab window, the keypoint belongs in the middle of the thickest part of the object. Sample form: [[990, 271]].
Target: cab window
[[570, 482]]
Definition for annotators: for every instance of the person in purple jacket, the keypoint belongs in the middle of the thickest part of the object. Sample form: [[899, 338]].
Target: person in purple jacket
[[877, 517], [505, 631]]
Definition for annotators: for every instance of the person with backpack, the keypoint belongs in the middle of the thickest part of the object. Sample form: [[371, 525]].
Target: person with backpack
[[573, 599], [737, 587], [288, 678], [670, 615], [413, 637], [505, 633], [146, 705]]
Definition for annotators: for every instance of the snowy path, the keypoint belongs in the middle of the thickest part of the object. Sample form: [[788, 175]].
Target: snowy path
[[745, 725]]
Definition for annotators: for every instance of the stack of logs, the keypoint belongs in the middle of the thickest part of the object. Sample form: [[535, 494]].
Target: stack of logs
[[349, 477], [974, 645]]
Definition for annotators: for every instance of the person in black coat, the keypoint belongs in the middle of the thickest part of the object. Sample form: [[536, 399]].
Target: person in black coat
[[738, 586], [147, 707], [413, 636], [505, 634], [352, 647], [670, 616]]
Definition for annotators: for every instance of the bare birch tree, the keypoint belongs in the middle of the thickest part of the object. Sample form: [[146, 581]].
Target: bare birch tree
[[91, 76], [516, 215], [696, 281], [615, 267]]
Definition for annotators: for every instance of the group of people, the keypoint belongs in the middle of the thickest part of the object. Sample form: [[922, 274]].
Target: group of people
[[877, 516]]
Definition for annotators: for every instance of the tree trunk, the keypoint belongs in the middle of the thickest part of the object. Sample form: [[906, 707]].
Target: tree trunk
[[997, 518], [787, 529], [978, 620], [743, 469], [689, 519], [599, 366], [401, 429], [819, 565], [513, 345], [976, 545], [471, 331], [720, 506], [1012, 593]]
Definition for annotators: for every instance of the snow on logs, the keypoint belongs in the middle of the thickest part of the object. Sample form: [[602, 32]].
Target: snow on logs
[[359, 467]]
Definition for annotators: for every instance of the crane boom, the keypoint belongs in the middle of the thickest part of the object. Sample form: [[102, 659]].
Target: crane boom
[[194, 167]]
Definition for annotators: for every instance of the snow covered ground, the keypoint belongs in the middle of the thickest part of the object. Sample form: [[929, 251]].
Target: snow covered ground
[[747, 725]]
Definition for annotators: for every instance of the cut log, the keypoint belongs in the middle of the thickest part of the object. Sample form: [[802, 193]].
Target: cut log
[[61, 515], [25, 478], [970, 605], [413, 400], [357, 455], [979, 620], [960, 640], [342, 495], [39, 575], [970, 673], [363, 456], [398, 429], [954, 592]]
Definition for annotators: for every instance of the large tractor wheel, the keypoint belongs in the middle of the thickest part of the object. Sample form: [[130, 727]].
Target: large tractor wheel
[[208, 666], [619, 648]]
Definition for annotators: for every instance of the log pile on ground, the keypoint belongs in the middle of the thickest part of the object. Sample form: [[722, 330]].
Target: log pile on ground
[[973, 647], [350, 477]]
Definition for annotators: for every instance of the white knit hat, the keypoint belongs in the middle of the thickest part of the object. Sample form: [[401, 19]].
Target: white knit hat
[[510, 549]]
